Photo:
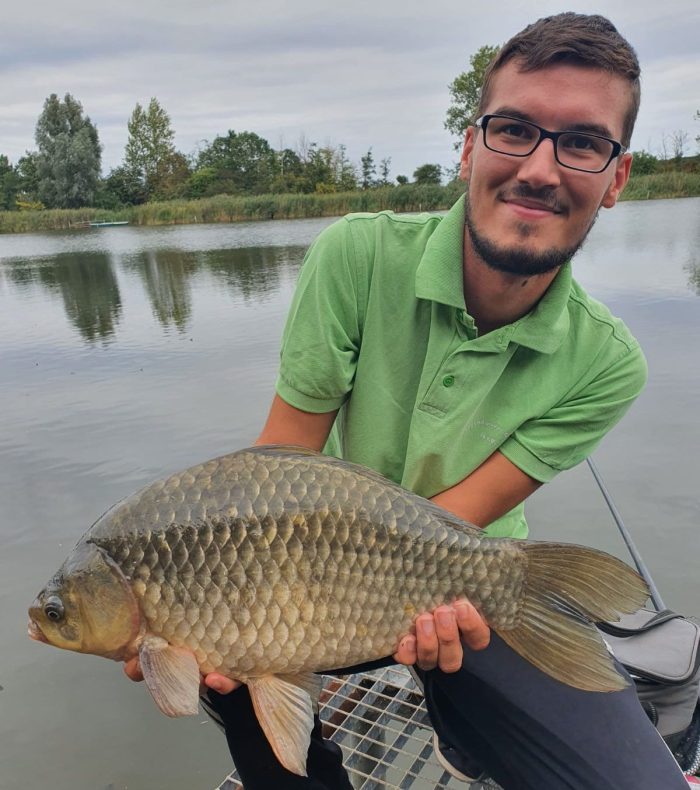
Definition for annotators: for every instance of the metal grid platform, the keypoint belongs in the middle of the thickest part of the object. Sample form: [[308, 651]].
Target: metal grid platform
[[380, 722]]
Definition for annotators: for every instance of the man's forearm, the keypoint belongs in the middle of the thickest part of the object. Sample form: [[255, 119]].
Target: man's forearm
[[489, 492], [288, 425]]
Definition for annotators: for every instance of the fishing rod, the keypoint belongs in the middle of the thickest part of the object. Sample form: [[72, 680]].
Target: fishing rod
[[636, 556]]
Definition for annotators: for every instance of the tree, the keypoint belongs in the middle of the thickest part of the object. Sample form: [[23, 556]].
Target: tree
[[679, 140], [402, 180], [69, 158], [288, 169], [466, 91], [643, 163], [384, 168], [345, 175], [241, 163], [427, 174], [150, 146], [369, 170], [9, 185], [122, 187], [28, 177]]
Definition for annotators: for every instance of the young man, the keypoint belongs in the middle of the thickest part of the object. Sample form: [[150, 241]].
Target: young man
[[458, 357]]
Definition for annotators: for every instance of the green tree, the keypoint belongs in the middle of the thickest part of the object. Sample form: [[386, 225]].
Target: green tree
[[150, 147], [9, 185], [427, 174], [69, 157], [384, 168], [402, 180], [241, 163], [122, 187], [345, 175], [368, 170], [288, 172], [465, 91], [644, 163], [28, 177]]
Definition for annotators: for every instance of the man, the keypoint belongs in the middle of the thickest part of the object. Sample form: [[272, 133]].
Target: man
[[458, 357]]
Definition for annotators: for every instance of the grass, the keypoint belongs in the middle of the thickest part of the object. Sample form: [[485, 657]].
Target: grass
[[673, 184], [235, 208]]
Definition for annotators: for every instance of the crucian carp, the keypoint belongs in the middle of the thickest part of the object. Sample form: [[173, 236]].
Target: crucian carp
[[272, 564]]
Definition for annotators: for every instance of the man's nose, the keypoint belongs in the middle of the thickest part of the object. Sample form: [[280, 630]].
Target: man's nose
[[540, 168]]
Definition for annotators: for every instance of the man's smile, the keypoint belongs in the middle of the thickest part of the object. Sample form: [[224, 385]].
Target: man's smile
[[531, 208]]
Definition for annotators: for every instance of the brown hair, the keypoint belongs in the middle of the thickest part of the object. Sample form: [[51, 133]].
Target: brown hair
[[571, 38]]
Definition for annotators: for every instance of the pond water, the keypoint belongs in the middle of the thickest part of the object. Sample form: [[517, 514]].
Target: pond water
[[127, 353]]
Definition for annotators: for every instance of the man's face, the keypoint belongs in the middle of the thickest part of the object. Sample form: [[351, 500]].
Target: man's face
[[528, 215]]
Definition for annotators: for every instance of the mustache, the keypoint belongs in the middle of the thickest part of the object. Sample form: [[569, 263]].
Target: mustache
[[545, 195]]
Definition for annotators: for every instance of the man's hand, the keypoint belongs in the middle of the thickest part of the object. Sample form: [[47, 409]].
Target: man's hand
[[213, 680], [436, 642]]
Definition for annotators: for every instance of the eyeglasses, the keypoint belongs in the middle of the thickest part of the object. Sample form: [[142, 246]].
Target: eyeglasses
[[590, 153]]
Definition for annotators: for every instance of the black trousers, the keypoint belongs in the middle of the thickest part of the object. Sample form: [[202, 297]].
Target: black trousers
[[528, 731]]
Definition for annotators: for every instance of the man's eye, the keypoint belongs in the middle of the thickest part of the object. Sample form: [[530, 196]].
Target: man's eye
[[516, 130], [582, 143]]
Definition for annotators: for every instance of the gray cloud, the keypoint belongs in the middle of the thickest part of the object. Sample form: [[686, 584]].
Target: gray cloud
[[373, 75]]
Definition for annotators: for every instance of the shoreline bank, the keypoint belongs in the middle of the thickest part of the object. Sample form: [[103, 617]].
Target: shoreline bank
[[236, 208]]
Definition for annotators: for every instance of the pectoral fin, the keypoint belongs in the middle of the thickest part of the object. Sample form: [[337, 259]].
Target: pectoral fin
[[285, 710], [172, 676]]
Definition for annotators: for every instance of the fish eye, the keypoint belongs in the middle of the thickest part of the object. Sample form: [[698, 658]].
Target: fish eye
[[53, 609]]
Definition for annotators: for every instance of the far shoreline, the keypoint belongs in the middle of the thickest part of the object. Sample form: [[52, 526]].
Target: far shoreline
[[236, 208]]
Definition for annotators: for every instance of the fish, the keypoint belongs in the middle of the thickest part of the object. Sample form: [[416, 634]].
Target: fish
[[272, 564]]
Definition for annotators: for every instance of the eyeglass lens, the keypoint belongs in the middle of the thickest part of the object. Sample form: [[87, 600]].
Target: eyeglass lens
[[574, 149]]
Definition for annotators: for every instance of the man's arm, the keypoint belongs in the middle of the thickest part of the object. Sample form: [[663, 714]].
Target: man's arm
[[288, 425], [489, 492]]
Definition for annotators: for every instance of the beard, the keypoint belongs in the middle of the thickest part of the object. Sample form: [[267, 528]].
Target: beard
[[520, 260]]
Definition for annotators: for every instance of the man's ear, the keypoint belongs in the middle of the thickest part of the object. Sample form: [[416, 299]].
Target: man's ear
[[620, 178], [465, 159]]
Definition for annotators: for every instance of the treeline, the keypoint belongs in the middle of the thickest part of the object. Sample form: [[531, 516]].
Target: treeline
[[65, 170], [235, 208]]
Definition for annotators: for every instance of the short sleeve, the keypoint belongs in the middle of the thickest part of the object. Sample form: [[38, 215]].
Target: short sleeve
[[321, 339], [569, 432]]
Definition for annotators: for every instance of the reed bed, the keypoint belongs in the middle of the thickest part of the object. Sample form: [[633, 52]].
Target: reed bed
[[237, 208]]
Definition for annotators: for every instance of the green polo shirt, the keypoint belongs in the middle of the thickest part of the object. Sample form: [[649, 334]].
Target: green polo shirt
[[379, 328]]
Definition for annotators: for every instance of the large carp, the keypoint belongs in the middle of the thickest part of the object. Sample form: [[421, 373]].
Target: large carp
[[273, 563]]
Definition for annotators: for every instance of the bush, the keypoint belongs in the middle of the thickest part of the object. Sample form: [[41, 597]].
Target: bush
[[643, 163]]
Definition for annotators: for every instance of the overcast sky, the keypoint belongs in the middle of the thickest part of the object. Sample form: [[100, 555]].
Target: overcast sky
[[359, 73]]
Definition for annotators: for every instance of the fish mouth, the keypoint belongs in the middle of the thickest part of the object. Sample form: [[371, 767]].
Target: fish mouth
[[36, 633]]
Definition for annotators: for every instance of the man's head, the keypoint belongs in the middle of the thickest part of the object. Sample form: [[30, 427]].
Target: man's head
[[576, 39], [527, 213]]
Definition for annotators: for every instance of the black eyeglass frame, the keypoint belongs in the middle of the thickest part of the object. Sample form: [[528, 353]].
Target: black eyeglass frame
[[545, 134]]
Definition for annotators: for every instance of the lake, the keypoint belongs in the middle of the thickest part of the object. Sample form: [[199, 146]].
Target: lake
[[127, 353]]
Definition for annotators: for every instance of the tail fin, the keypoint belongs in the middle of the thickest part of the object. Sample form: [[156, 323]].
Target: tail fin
[[567, 587]]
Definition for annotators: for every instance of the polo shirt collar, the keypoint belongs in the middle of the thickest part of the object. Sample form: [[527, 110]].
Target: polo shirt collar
[[439, 273], [439, 279]]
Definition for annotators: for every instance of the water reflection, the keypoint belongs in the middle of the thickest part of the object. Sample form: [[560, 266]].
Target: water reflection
[[165, 275], [253, 272], [693, 270], [90, 288], [87, 285]]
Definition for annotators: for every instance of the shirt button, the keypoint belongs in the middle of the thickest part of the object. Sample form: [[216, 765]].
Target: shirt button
[[448, 381]]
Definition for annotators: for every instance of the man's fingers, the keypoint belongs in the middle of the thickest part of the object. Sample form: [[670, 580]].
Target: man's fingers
[[132, 669], [220, 683], [406, 652], [475, 633], [450, 646], [427, 644]]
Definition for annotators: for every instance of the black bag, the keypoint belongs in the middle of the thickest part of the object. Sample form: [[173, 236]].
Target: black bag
[[661, 651]]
